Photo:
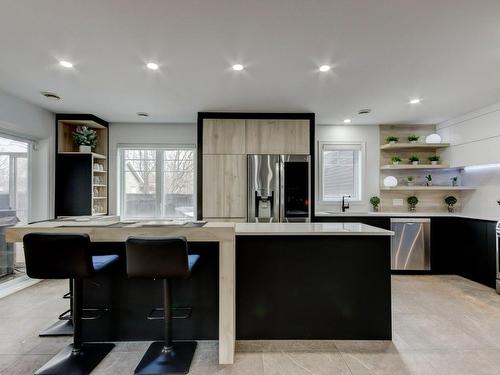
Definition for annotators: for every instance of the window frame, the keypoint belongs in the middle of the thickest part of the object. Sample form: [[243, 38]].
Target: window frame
[[361, 146], [159, 171]]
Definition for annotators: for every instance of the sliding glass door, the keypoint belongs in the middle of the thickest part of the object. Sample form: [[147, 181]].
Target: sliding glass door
[[14, 201]]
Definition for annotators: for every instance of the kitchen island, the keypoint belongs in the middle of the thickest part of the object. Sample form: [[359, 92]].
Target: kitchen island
[[296, 280], [313, 281]]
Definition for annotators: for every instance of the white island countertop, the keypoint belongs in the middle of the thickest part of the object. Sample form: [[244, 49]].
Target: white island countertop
[[308, 229]]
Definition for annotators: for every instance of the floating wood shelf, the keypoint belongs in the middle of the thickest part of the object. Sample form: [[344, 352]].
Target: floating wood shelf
[[95, 155], [419, 166], [400, 146], [427, 188], [100, 197]]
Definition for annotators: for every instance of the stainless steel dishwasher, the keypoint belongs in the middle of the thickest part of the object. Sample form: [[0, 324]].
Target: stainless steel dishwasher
[[411, 244]]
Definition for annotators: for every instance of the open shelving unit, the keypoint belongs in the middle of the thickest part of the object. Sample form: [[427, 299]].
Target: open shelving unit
[[431, 198], [417, 145], [81, 177], [428, 188]]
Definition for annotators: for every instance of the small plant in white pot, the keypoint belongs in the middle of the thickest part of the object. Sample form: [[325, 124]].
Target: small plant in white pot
[[392, 139], [410, 180], [414, 159], [85, 138], [413, 138], [375, 202], [434, 159], [451, 201], [428, 180], [412, 203], [396, 160]]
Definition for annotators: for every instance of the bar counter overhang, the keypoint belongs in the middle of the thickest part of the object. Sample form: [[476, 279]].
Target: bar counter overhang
[[345, 265]]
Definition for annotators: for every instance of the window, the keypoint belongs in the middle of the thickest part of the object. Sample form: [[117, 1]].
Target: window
[[157, 182], [340, 170]]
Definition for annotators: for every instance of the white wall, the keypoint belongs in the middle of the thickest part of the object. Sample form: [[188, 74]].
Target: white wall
[[23, 119], [475, 141], [141, 133], [353, 133]]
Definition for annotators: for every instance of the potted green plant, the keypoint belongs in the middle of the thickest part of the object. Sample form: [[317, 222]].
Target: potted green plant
[[434, 159], [396, 160], [375, 201], [413, 138], [410, 180], [412, 203], [392, 139], [85, 138], [450, 202], [428, 180], [414, 159], [454, 181]]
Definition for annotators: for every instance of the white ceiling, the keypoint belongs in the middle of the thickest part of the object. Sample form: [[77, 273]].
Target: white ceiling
[[384, 52]]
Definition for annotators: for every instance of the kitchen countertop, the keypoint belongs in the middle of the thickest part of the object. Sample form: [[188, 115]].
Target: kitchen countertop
[[402, 214], [307, 229]]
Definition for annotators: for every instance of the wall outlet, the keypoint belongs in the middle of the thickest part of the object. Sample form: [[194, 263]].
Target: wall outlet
[[397, 202]]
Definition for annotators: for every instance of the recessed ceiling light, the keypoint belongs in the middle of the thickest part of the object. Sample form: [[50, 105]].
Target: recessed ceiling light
[[324, 68], [238, 67], [152, 66], [65, 64], [50, 95], [142, 114], [347, 121], [415, 101]]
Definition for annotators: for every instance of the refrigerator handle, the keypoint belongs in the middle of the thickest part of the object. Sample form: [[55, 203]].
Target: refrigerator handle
[[276, 196], [282, 182]]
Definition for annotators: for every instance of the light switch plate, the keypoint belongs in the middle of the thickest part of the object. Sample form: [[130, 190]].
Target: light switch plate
[[397, 202]]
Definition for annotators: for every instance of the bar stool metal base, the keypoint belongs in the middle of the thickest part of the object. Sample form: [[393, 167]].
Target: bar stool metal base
[[59, 328], [65, 362], [178, 361]]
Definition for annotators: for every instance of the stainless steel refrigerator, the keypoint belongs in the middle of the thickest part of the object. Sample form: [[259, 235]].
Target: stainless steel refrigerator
[[279, 188]]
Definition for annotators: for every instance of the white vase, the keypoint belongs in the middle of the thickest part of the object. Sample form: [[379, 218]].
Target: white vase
[[85, 148], [395, 162], [434, 162], [414, 162], [392, 142]]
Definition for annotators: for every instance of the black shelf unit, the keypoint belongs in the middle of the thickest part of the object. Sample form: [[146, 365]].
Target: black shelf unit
[[74, 171]]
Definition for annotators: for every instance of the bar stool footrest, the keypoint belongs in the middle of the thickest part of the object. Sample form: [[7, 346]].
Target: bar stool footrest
[[158, 313], [98, 313]]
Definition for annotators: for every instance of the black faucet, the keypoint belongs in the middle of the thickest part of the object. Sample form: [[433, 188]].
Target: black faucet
[[345, 204]]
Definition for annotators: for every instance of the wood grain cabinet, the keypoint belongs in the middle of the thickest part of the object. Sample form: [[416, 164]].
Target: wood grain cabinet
[[223, 136], [224, 186], [277, 136]]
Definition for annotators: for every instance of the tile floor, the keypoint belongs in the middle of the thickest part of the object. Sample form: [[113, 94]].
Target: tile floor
[[441, 325]]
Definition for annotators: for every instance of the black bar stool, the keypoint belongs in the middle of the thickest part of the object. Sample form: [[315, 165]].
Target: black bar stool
[[68, 256], [162, 258]]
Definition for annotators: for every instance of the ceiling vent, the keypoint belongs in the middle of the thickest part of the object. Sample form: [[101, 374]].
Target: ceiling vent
[[364, 111], [50, 95], [142, 114]]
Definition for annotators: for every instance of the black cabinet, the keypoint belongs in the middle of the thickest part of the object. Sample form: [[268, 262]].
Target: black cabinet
[[459, 246], [464, 247]]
